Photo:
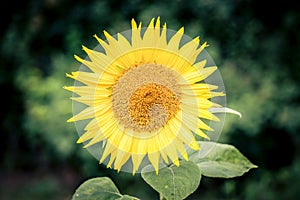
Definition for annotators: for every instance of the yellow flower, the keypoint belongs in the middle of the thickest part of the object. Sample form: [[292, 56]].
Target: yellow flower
[[145, 96]]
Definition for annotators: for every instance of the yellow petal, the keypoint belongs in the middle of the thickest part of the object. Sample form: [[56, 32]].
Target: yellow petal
[[180, 65], [107, 80], [136, 161], [126, 60], [108, 149], [198, 90], [201, 134], [115, 136], [96, 66], [142, 146], [184, 134], [99, 59], [212, 94], [149, 38], [87, 113], [181, 149], [204, 126], [208, 115], [121, 159], [125, 143], [194, 121], [157, 24], [154, 160], [103, 133], [112, 158], [164, 156], [116, 49], [189, 52], [184, 155], [104, 107], [199, 75], [165, 137], [153, 145], [201, 112], [189, 120], [94, 100], [200, 65], [195, 103], [99, 137], [92, 125], [85, 77], [81, 90], [109, 51], [166, 58], [199, 87], [86, 136], [136, 39], [124, 44], [162, 42], [171, 152], [174, 42], [203, 46], [148, 55], [109, 126]]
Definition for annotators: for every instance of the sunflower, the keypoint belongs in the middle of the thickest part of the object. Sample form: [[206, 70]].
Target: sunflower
[[146, 97]]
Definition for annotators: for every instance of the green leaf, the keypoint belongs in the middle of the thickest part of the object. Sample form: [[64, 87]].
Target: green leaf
[[221, 160], [174, 182], [97, 188]]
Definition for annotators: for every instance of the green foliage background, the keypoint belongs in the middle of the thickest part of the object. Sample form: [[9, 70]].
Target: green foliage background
[[256, 47]]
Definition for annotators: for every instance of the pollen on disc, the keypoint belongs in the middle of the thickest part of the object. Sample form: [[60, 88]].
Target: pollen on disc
[[146, 97], [152, 105]]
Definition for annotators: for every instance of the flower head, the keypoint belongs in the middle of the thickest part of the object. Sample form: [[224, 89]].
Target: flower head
[[146, 96]]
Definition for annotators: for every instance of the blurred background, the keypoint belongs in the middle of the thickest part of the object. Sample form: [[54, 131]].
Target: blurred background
[[255, 45]]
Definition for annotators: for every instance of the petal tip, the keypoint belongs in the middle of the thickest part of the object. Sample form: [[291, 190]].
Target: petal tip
[[79, 141], [68, 88], [181, 30], [71, 119]]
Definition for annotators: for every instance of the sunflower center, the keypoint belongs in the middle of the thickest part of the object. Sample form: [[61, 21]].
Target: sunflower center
[[146, 97], [153, 102]]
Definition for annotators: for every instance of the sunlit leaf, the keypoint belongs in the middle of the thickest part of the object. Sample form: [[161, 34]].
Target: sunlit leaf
[[174, 182], [221, 160], [99, 188]]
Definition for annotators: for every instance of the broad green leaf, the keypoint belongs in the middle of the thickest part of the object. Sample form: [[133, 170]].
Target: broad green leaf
[[97, 188], [174, 182], [221, 160]]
